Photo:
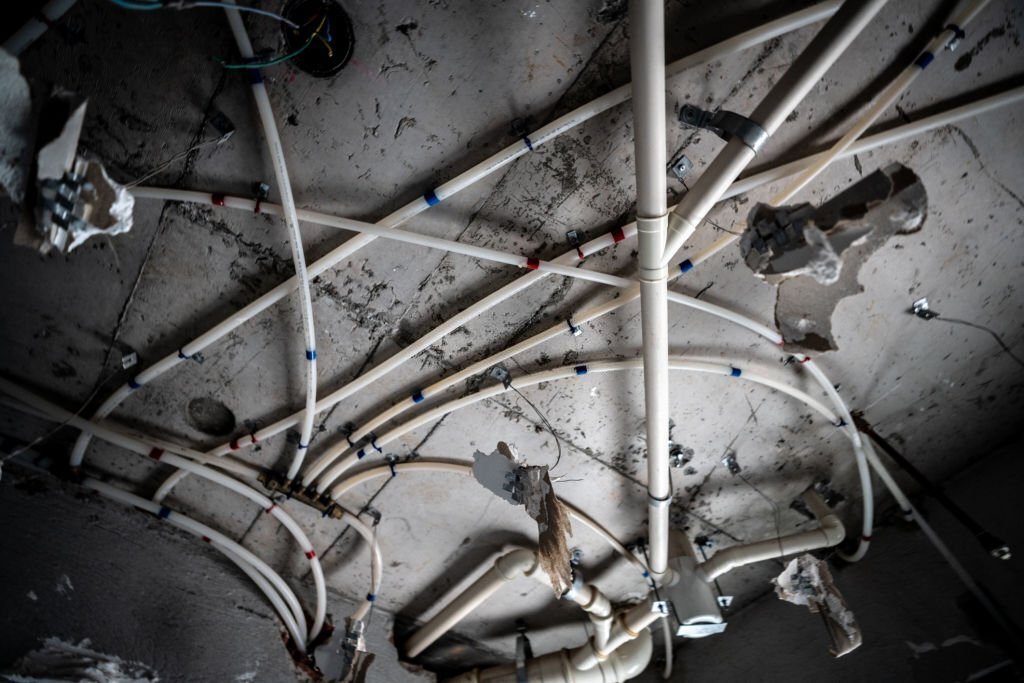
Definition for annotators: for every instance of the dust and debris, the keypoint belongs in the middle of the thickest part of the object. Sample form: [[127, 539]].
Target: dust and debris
[[404, 123], [77, 663]]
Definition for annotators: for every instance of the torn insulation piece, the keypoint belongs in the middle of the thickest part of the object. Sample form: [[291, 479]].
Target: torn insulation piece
[[814, 256], [807, 581], [501, 473]]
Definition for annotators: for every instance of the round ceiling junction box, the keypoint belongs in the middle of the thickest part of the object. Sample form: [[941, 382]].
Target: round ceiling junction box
[[324, 36]]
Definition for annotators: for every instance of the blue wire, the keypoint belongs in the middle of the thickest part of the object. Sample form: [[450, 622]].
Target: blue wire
[[133, 5], [159, 4]]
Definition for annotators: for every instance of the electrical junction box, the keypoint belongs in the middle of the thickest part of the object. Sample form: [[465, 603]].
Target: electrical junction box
[[693, 600]]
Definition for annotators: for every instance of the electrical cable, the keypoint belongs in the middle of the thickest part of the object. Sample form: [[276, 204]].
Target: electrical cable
[[282, 58], [190, 4], [177, 157], [547, 424], [999, 340]]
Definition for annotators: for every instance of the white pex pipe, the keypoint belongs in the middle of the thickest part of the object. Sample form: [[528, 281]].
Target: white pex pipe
[[291, 219], [503, 158], [647, 64], [566, 372], [35, 27], [823, 50], [296, 626], [141, 447], [953, 31]]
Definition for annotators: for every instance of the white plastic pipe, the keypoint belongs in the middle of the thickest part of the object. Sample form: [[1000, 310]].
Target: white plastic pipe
[[823, 50], [376, 563], [141, 447], [508, 567], [597, 606], [35, 27], [982, 106], [463, 180], [291, 218], [555, 374], [296, 624], [886, 98], [647, 59], [830, 532], [624, 664], [629, 625]]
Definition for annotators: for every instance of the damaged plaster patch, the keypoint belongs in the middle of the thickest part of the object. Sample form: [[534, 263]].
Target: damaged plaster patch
[[502, 473], [807, 581], [814, 256]]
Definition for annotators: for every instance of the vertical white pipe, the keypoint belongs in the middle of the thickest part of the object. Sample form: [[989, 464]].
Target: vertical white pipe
[[35, 27], [647, 63]]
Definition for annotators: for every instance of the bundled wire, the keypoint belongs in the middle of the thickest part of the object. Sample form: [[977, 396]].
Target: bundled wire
[[191, 4], [324, 24]]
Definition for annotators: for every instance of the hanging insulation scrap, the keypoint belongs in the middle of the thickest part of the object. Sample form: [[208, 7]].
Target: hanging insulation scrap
[[501, 473], [807, 581]]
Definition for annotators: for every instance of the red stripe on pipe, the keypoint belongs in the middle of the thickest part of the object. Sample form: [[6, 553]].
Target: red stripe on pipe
[[618, 235], [532, 263], [156, 453], [254, 439], [234, 445], [217, 199], [310, 554], [866, 539], [271, 508]]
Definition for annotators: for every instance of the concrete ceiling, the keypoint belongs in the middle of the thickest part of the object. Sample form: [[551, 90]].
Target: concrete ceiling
[[432, 89]]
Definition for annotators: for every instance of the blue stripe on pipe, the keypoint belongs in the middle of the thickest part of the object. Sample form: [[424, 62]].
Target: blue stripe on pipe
[[431, 199], [182, 355], [686, 266], [311, 354], [736, 372], [361, 454], [417, 397], [164, 513], [529, 145], [303, 446], [924, 60], [133, 384], [255, 76], [370, 597], [581, 369]]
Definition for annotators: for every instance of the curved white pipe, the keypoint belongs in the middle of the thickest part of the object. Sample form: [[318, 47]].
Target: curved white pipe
[[463, 180], [291, 218], [565, 372], [376, 563], [171, 458], [296, 625]]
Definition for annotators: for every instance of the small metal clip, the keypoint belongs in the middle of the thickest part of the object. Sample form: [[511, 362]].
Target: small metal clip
[[724, 601], [660, 607], [730, 462], [679, 456], [574, 330], [575, 238], [921, 309], [500, 373], [725, 124], [262, 191], [681, 167], [129, 359]]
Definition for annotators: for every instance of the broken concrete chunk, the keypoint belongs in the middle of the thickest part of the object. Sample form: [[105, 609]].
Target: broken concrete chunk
[[814, 255], [807, 581]]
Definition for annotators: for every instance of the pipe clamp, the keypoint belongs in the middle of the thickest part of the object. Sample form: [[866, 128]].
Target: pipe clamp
[[726, 125]]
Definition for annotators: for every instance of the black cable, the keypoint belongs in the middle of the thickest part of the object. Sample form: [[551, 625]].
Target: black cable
[[999, 340], [551, 429]]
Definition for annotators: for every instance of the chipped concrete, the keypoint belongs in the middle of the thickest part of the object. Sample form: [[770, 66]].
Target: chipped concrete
[[464, 72]]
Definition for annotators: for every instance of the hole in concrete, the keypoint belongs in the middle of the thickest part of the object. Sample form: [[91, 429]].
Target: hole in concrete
[[324, 39], [210, 416]]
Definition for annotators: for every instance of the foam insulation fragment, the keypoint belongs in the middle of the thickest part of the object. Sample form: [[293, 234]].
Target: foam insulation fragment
[[502, 473], [807, 581], [814, 255], [59, 660]]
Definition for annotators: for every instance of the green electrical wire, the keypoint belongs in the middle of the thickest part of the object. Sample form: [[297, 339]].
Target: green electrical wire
[[282, 58]]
